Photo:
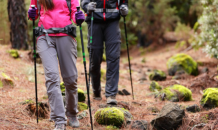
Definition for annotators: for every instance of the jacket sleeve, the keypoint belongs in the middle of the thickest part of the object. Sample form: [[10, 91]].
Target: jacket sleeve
[[74, 4], [84, 4], [125, 2], [34, 2]]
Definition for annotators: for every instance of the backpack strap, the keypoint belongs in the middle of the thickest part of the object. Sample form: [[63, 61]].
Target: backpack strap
[[69, 6]]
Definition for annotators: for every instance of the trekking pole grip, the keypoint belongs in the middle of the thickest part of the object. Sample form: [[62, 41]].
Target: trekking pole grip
[[78, 8]]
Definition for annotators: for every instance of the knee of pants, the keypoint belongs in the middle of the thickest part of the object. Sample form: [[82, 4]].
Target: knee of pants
[[71, 83], [96, 59], [52, 81], [113, 53]]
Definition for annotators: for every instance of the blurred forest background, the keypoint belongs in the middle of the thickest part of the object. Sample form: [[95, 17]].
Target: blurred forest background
[[149, 22]]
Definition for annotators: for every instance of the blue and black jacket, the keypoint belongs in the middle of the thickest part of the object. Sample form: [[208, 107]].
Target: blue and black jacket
[[106, 10]]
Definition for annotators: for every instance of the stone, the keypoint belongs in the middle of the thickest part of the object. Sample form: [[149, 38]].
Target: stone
[[153, 109], [103, 57], [110, 116], [6, 80], [169, 118], [205, 70], [107, 116], [154, 86], [157, 75], [140, 125], [82, 106], [81, 93], [177, 93], [181, 62], [62, 88], [103, 74], [210, 98], [14, 53], [124, 92], [82, 115], [193, 108]]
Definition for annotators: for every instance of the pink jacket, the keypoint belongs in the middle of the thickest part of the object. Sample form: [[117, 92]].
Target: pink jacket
[[59, 17]]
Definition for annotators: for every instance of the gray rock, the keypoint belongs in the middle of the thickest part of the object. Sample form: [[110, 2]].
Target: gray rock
[[169, 118], [140, 125], [82, 115], [123, 92], [205, 70], [153, 109], [127, 115], [193, 108]]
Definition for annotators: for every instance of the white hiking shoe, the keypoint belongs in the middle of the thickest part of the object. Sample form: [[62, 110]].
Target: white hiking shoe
[[112, 100], [73, 122], [60, 127]]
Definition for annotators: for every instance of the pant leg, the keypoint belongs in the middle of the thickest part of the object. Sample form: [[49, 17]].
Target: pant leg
[[48, 55], [95, 70], [67, 56], [112, 43], [95, 56]]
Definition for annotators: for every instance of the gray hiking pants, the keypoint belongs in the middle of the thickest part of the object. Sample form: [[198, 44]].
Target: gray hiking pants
[[109, 33], [64, 50]]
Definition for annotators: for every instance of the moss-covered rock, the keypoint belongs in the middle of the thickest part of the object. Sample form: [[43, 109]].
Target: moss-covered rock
[[210, 98], [110, 127], [14, 53], [1, 84], [157, 75], [110, 116], [103, 57], [103, 74], [143, 60], [62, 88], [177, 93], [6, 80], [154, 86], [182, 62], [81, 95], [82, 106]]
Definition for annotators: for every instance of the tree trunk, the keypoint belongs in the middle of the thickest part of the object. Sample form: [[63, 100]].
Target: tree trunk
[[18, 20]]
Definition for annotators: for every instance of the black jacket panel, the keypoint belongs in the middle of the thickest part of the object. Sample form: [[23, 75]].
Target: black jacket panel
[[98, 16]]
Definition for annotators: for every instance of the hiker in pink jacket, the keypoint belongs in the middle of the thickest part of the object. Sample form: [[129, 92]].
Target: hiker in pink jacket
[[56, 43]]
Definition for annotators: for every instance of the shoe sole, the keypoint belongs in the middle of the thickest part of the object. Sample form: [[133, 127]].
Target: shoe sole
[[98, 99]]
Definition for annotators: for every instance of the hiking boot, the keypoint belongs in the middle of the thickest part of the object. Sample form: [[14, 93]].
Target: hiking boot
[[60, 127], [73, 122], [97, 97], [112, 100]]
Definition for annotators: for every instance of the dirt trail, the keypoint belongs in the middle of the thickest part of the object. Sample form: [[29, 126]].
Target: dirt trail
[[14, 116]]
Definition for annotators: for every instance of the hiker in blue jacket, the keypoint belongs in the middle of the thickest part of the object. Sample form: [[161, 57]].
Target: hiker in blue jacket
[[105, 30]]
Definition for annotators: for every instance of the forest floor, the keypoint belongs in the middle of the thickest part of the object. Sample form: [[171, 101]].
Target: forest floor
[[13, 114]]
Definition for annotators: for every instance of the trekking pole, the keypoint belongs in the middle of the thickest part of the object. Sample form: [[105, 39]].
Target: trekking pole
[[90, 49], [34, 55], [128, 56], [84, 62]]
